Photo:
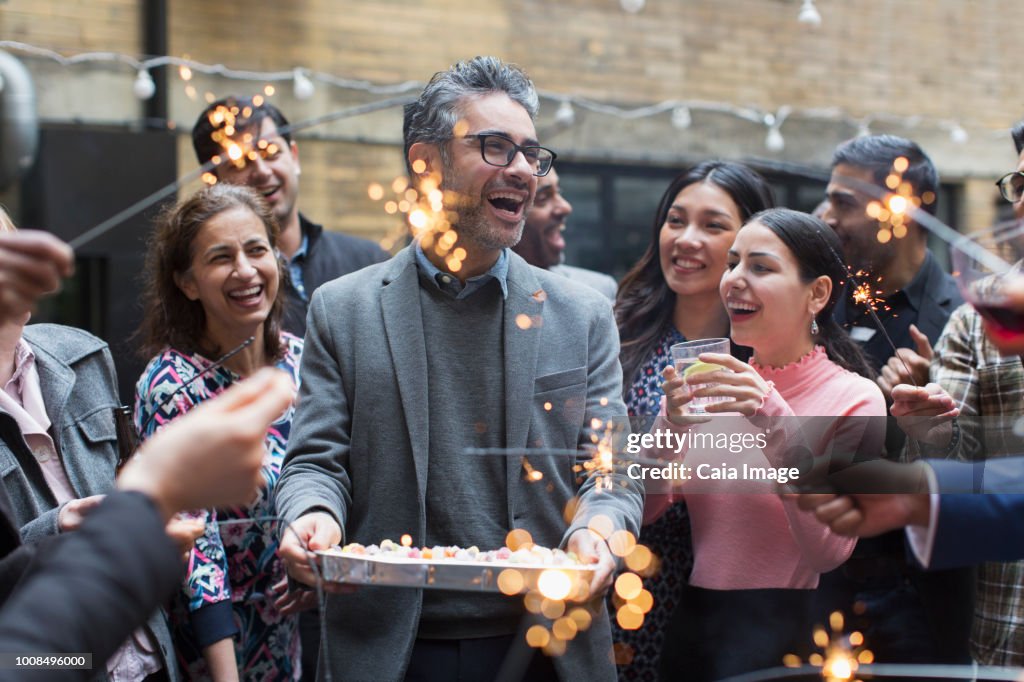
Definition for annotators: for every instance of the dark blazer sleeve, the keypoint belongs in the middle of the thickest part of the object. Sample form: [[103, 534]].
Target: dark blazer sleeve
[[96, 586], [979, 519]]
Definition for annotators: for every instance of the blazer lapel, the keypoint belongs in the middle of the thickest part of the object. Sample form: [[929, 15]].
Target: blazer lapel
[[524, 309], [403, 324]]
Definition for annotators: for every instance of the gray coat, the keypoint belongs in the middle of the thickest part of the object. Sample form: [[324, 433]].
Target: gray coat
[[359, 442], [79, 388], [606, 284]]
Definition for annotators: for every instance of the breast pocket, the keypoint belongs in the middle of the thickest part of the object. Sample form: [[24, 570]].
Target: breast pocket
[[1001, 402], [92, 442], [27, 498], [559, 407]]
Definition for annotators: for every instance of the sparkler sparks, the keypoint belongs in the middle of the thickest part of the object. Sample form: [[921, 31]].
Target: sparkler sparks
[[863, 293], [840, 655]]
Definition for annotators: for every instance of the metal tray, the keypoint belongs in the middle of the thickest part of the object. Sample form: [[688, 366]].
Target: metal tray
[[426, 573]]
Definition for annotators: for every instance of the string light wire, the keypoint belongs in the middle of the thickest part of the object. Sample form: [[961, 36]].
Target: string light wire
[[302, 80]]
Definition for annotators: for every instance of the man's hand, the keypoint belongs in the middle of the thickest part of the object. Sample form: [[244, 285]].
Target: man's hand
[[906, 366], [184, 532], [32, 264], [867, 515], [73, 512], [212, 456], [289, 602], [924, 413], [592, 549], [315, 531]]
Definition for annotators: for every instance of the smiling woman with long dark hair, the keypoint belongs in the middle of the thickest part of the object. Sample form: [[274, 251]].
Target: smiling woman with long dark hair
[[671, 296], [757, 558]]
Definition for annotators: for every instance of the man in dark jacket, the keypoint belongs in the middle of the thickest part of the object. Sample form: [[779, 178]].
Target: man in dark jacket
[[268, 162], [914, 295], [932, 612]]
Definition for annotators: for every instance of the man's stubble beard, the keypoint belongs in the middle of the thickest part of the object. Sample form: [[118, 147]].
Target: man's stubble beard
[[472, 225]]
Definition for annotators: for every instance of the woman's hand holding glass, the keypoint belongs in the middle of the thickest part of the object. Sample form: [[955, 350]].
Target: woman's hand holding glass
[[677, 398], [742, 387]]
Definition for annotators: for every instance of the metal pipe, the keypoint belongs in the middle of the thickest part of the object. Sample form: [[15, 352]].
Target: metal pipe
[[154, 39], [19, 121]]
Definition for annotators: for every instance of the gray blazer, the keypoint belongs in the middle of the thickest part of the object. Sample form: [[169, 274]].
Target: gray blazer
[[606, 284], [79, 387], [358, 447]]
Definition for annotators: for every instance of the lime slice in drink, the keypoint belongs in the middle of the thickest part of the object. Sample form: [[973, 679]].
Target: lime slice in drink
[[700, 368]]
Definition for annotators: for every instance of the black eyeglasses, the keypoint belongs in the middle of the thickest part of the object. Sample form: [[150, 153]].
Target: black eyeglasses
[[498, 150], [1011, 186]]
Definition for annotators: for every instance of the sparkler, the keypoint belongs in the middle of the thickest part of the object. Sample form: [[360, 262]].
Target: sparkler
[[631, 600], [159, 195], [840, 655], [914, 211]]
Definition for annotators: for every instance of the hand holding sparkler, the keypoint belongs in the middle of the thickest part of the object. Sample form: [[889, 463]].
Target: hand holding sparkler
[[870, 514], [925, 413], [32, 264], [213, 456], [591, 548], [314, 531], [907, 366]]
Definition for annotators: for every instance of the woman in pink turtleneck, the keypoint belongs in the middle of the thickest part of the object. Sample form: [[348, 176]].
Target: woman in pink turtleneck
[[757, 557]]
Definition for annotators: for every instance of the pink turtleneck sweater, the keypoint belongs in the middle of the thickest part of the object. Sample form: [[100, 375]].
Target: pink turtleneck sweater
[[745, 536]]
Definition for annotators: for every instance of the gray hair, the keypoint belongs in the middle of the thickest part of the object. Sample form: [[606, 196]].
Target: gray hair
[[432, 117]]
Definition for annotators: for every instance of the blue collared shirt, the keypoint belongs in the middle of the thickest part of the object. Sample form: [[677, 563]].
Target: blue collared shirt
[[295, 266], [451, 285]]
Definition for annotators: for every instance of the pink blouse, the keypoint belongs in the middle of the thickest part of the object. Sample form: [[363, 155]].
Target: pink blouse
[[745, 535]]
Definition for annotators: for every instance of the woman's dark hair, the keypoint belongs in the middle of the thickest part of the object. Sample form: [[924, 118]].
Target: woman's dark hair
[[170, 318], [645, 303], [816, 249]]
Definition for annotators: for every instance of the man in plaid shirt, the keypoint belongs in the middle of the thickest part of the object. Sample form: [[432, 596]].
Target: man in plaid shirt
[[989, 390]]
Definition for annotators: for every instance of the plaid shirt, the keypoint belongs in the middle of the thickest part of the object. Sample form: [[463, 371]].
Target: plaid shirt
[[989, 389]]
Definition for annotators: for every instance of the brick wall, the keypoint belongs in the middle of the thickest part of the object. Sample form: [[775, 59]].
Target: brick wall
[[945, 61]]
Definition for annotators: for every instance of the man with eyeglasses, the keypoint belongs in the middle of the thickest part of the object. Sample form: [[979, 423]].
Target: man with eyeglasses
[[457, 343], [253, 143], [542, 243]]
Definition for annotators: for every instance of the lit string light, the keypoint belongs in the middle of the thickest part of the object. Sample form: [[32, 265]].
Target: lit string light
[[303, 85], [809, 14]]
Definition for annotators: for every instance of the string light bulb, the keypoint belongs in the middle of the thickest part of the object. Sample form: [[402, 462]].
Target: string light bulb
[[302, 86], [774, 141], [186, 67], [565, 115], [681, 118], [957, 134], [632, 6], [809, 14], [144, 87]]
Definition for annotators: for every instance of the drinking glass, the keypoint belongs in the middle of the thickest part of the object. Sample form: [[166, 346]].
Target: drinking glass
[[685, 357], [983, 262]]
